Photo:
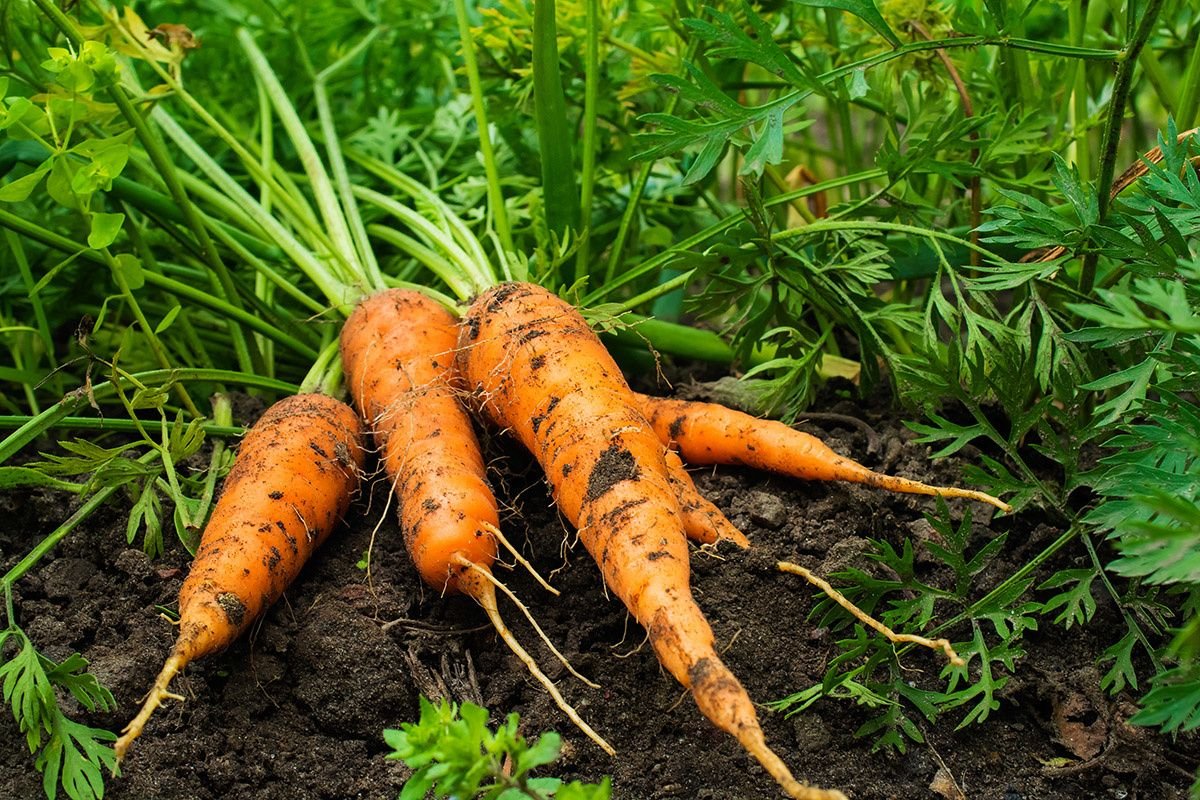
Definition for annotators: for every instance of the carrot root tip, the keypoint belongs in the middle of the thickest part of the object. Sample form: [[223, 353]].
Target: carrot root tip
[[866, 619], [158, 693]]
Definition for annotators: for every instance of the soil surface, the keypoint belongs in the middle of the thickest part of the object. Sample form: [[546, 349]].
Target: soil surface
[[295, 710]]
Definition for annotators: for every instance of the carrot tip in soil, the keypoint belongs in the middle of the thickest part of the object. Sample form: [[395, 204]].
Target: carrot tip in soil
[[708, 433], [896, 638]]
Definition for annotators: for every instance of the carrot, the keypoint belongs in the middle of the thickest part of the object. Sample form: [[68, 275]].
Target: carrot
[[538, 370], [398, 355], [707, 433], [703, 522], [293, 479], [398, 352]]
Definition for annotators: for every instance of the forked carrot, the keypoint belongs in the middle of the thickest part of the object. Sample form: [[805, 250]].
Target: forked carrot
[[703, 522], [398, 352], [294, 476], [538, 370], [707, 433]]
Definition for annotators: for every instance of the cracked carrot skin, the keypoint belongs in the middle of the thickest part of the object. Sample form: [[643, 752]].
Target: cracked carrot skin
[[537, 369], [398, 353], [296, 471], [708, 433]]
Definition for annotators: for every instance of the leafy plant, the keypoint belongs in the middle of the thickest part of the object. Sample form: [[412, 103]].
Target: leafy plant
[[69, 755], [454, 754]]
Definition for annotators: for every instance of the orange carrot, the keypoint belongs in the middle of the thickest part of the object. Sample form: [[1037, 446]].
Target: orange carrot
[[293, 479], [707, 433], [703, 522], [398, 352], [398, 355], [538, 370]]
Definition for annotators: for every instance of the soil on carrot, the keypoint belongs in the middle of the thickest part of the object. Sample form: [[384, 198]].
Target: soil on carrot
[[296, 709]]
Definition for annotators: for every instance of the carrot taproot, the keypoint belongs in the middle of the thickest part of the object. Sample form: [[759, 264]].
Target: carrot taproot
[[398, 350], [702, 521], [708, 433], [295, 474], [538, 370]]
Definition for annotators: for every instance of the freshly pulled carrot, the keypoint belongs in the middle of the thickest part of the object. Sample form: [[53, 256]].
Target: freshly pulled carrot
[[294, 476], [707, 433], [398, 356], [538, 370], [398, 353]]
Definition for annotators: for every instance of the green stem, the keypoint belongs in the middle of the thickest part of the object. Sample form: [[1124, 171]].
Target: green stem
[[337, 163], [1079, 98], [560, 197], [466, 269], [35, 426], [107, 424], [494, 188], [1189, 95], [343, 249], [1112, 128], [58, 534], [591, 95], [331, 285]]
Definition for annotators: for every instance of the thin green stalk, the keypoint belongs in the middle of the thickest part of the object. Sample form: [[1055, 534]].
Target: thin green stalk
[[1112, 128], [183, 320], [1079, 95], [655, 292], [39, 311], [560, 197], [70, 403], [467, 267], [495, 193], [47, 544], [660, 259], [467, 240], [331, 285], [895, 227], [366, 256], [433, 261], [233, 313], [1189, 95], [325, 374], [591, 94], [318, 179], [851, 160], [221, 279]]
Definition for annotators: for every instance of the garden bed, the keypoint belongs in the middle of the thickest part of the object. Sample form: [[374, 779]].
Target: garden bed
[[296, 709]]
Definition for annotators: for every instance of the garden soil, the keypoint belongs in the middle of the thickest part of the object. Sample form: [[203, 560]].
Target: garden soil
[[295, 711]]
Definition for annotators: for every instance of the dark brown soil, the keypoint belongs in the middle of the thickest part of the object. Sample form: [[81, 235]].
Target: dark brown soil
[[295, 710]]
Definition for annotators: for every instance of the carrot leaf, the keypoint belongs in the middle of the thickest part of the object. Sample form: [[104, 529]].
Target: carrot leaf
[[454, 753]]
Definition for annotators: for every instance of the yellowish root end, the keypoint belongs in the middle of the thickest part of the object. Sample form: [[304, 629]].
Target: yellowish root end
[[516, 554], [484, 592], [153, 700], [896, 638], [752, 739]]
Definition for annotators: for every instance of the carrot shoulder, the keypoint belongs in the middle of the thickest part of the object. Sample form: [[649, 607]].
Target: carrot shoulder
[[707, 433], [293, 479], [538, 370]]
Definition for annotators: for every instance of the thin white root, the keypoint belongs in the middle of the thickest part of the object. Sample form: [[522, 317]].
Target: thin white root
[[896, 638], [487, 599], [153, 700], [486, 574], [524, 562], [752, 739]]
